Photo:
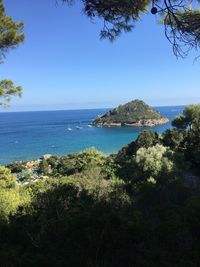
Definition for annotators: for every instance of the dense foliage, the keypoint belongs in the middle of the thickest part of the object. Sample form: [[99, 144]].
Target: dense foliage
[[131, 112], [139, 207]]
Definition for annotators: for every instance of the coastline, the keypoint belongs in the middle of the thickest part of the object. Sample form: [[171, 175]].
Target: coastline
[[140, 123], [34, 161], [29, 135]]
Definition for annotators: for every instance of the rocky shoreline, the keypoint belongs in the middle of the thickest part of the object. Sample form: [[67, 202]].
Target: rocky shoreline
[[140, 123]]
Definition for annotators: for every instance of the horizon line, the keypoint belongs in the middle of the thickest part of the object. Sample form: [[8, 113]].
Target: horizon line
[[76, 109]]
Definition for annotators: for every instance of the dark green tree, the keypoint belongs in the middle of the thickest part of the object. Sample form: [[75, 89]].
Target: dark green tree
[[174, 139], [16, 166], [189, 119], [189, 123], [43, 167], [147, 139], [11, 35]]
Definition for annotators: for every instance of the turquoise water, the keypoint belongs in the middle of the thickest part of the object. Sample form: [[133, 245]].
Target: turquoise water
[[29, 135]]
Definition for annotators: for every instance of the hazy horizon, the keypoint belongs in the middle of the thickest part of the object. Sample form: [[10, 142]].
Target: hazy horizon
[[62, 107]]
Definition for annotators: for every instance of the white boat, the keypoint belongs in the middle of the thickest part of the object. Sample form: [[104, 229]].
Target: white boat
[[69, 129], [89, 126]]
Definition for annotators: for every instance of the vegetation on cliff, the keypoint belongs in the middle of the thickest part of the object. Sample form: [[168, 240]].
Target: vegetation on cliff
[[134, 113]]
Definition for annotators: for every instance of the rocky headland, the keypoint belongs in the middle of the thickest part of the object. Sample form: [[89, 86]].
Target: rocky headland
[[133, 114]]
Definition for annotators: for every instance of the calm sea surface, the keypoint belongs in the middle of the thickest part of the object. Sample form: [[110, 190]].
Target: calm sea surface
[[29, 135]]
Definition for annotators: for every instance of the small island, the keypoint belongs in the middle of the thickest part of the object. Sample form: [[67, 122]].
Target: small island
[[134, 114]]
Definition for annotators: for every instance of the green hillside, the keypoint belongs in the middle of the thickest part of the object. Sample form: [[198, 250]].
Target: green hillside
[[130, 113]]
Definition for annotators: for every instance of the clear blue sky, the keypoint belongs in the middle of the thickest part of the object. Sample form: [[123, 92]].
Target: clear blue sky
[[63, 64]]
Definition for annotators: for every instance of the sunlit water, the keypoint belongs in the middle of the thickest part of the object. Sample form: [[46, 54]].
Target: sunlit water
[[29, 135]]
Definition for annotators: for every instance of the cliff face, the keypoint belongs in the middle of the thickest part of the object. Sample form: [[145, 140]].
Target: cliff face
[[135, 113]]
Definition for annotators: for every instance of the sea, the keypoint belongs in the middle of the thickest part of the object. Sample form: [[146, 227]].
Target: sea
[[29, 135]]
